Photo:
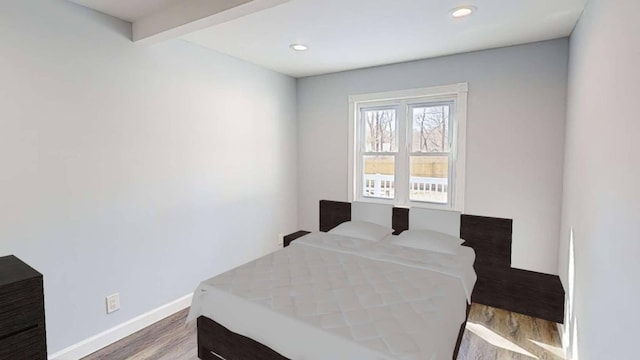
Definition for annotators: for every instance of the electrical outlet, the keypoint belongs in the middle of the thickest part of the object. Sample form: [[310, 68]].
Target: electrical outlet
[[280, 239], [113, 303]]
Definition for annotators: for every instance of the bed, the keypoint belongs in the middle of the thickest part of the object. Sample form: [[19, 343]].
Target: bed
[[329, 296]]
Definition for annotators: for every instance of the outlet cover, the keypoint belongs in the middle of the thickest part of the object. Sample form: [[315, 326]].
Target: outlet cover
[[113, 303]]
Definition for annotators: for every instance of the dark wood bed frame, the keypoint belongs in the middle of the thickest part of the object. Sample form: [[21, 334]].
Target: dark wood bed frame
[[217, 342]]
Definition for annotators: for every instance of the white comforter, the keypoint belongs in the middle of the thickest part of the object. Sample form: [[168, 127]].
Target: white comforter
[[333, 297]]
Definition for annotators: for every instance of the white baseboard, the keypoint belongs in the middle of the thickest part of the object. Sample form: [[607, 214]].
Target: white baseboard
[[97, 342]]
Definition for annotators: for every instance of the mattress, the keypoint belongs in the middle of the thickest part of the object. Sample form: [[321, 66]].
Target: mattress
[[333, 297]]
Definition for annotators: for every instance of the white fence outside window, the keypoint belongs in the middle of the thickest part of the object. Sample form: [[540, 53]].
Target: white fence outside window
[[420, 188]]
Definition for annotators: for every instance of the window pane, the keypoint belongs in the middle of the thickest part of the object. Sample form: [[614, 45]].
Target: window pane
[[378, 177], [430, 128], [429, 179], [379, 130]]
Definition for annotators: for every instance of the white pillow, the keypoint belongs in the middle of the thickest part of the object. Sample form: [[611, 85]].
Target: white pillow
[[361, 230], [428, 240]]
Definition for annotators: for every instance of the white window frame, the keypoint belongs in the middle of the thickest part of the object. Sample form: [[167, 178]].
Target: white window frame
[[456, 93]]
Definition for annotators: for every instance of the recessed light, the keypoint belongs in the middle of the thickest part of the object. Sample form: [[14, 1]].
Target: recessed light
[[462, 11], [299, 47]]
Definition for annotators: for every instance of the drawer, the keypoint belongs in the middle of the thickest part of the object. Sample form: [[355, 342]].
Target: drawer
[[26, 345], [21, 306]]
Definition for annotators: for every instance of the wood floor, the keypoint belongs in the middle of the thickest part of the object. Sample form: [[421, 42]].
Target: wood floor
[[491, 334], [502, 335]]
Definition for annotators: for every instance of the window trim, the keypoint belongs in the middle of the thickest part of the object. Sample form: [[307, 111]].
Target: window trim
[[457, 92]]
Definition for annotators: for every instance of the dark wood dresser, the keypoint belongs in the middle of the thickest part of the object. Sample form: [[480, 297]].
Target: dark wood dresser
[[22, 327]]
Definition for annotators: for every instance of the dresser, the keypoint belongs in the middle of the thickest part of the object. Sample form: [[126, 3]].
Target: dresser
[[22, 327]]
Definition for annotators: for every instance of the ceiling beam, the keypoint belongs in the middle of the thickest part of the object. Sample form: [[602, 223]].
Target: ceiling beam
[[192, 15]]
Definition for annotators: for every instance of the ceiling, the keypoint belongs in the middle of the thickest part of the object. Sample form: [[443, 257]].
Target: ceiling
[[129, 10], [351, 34]]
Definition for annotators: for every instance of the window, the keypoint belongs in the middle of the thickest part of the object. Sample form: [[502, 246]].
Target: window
[[407, 148]]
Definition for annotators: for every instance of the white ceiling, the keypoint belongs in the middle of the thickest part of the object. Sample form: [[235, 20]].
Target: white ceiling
[[351, 34], [129, 10]]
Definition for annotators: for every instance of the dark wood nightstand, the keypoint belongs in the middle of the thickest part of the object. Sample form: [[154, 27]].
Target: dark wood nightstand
[[502, 286], [289, 238], [22, 328], [522, 291]]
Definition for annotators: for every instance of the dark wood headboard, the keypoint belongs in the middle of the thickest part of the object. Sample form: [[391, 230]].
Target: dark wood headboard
[[399, 220], [334, 213], [489, 237]]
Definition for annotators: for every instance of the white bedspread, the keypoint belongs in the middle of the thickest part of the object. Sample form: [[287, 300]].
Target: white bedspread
[[332, 297]]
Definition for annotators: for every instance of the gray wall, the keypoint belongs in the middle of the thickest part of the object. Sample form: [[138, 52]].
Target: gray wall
[[602, 176], [515, 138], [133, 169]]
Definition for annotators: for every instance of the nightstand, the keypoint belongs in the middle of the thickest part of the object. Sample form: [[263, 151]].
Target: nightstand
[[522, 291], [22, 330], [289, 238]]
